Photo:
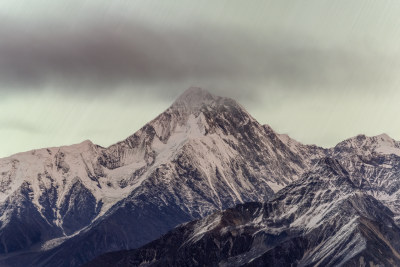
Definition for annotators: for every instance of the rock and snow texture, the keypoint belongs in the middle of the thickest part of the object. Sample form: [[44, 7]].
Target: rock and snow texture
[[65, 206], [374, 166], [322, 219], [204, 153], [363, 145]]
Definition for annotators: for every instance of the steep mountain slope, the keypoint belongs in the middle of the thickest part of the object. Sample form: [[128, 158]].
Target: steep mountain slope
[[41, 192], [322, 219], [374, 166], [64, 206]]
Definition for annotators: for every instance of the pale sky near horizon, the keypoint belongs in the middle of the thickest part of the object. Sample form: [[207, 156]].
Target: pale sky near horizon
[[321, 71]]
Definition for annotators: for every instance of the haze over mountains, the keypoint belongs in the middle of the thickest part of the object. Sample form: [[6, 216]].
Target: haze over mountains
[[65, 206]]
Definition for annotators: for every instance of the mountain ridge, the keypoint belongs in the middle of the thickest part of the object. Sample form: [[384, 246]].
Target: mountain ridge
[[335, 225], [204, 153], [188, 162]]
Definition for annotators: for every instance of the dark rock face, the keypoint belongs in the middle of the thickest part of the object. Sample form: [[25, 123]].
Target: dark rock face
[[113, 233], [78, 209], [321, 219], [28, 226]]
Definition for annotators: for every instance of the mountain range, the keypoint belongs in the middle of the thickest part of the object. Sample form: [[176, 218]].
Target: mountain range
[[238, 193]]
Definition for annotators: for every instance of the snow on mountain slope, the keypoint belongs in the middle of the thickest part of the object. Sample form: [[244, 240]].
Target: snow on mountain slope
[[338, 214], [65, 206], [322, 219], [363, 145], [35, 189], [374, 165], [216, 132], [202, 154]]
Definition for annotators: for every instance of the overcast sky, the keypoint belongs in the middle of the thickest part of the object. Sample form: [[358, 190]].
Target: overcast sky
[[320, 71]]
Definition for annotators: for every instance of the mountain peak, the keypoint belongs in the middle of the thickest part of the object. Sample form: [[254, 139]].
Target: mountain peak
[[362, 140], [384, 137], [195, 97], [362, 144], [195, 93]]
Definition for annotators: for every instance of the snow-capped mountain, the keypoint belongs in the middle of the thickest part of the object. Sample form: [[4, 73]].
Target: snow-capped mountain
[[364, 145], [64, 206], [322, 219], [374, 166], [41, 193]]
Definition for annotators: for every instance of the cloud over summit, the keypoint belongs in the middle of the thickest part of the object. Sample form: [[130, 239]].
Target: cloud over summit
[[103, 55]]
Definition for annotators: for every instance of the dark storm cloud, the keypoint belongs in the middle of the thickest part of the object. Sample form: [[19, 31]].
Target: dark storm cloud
[[100, 56]]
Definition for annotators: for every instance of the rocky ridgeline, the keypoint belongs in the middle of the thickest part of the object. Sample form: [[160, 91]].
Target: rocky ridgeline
[[65, 206]]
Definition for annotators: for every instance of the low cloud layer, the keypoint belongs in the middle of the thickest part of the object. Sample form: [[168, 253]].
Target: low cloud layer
[[104, 56]]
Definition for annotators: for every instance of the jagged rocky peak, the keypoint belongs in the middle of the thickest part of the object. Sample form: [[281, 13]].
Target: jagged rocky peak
[[195, 100], [80, 147], [198, 107], [362, 145], [196, 112], [362, 140], [194, 97]]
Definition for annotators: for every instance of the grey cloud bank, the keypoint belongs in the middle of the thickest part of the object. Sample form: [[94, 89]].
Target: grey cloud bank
[[101, 56]]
